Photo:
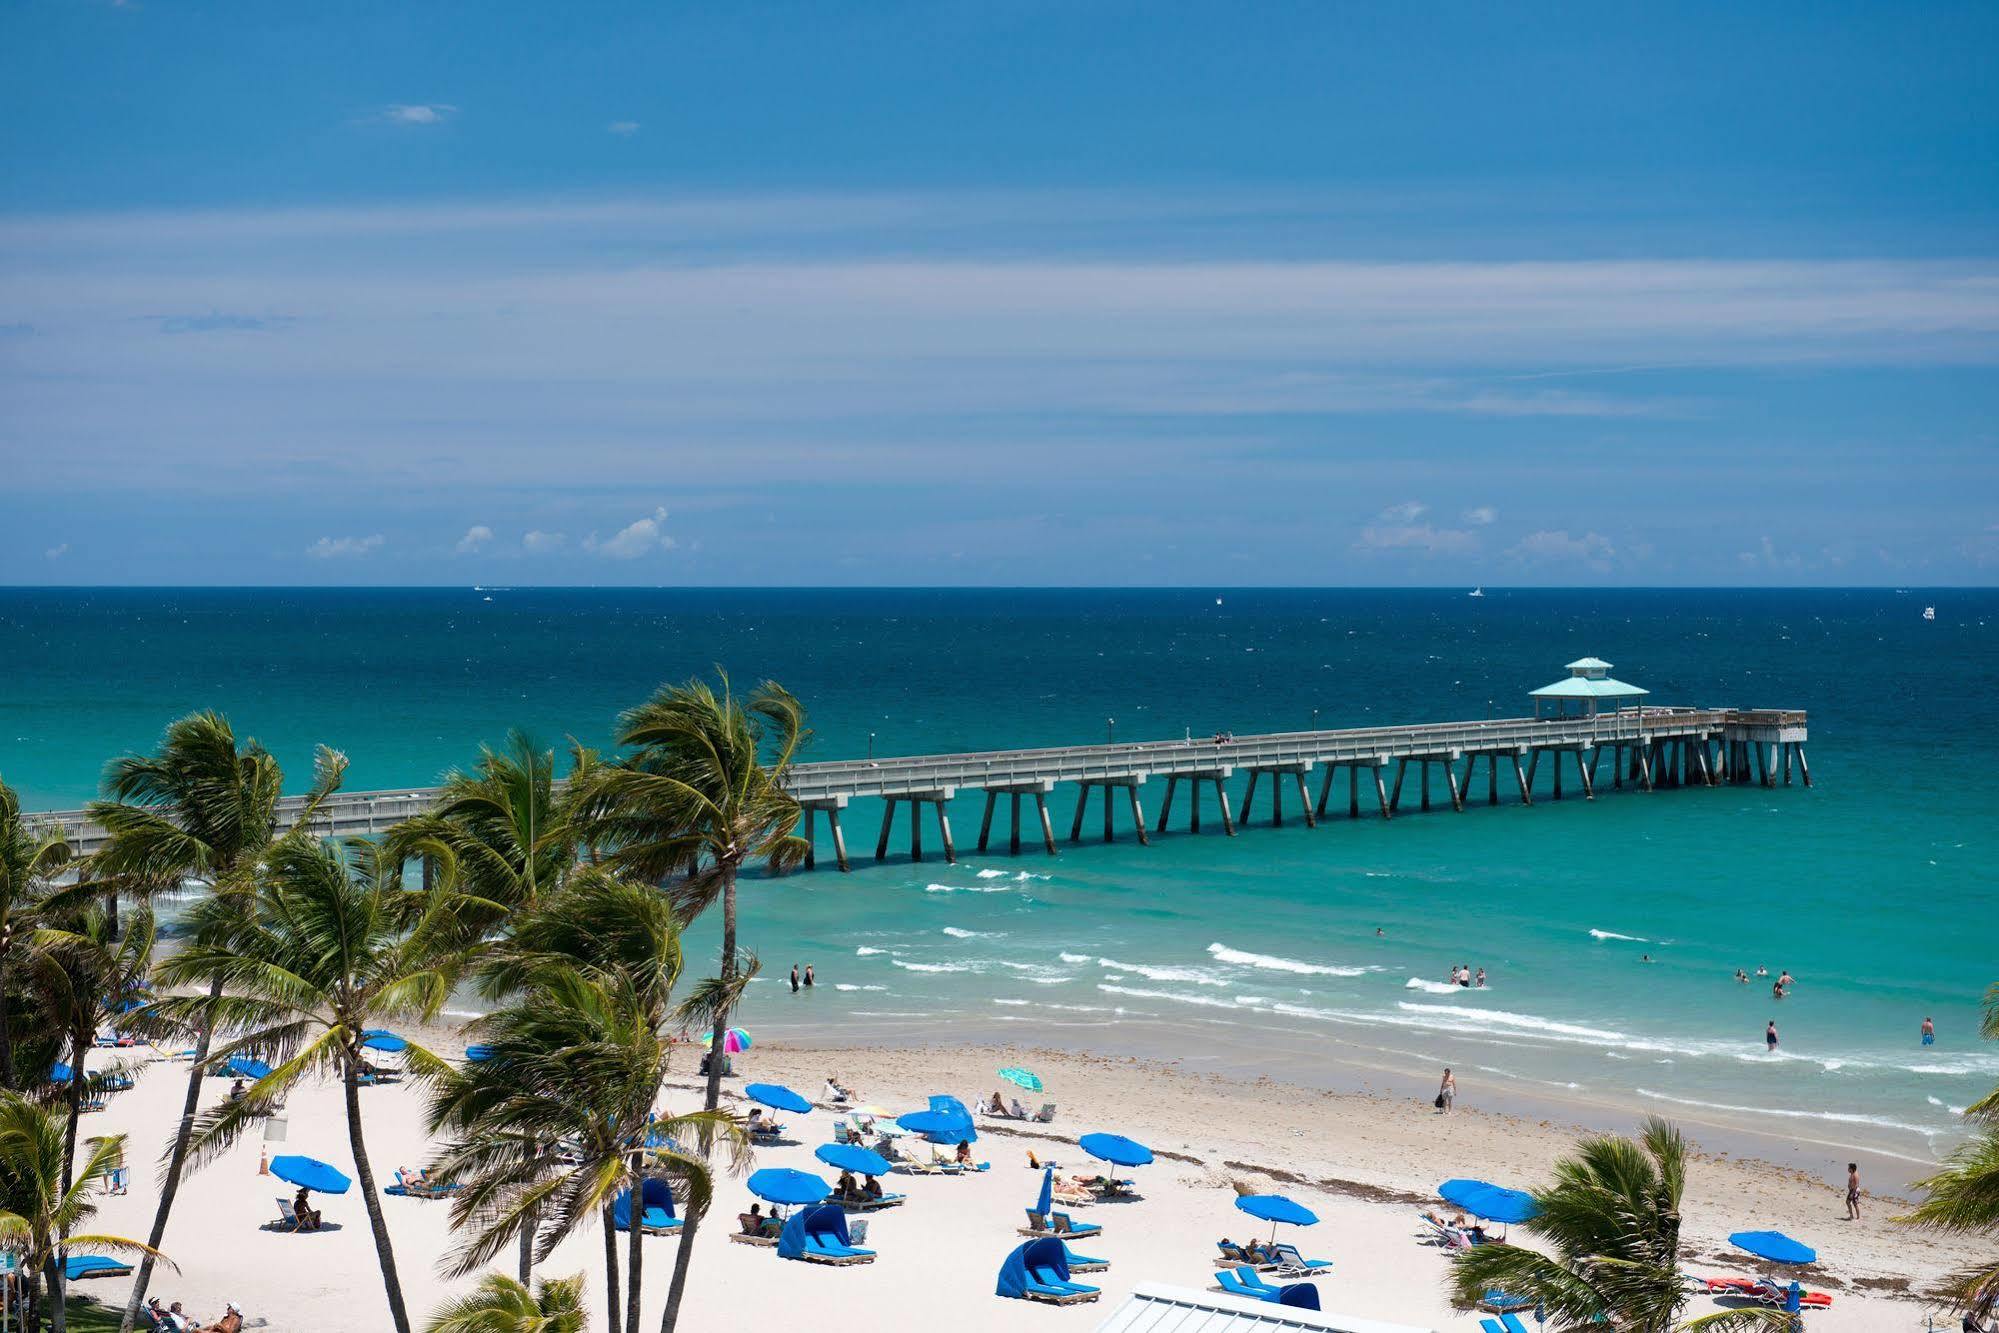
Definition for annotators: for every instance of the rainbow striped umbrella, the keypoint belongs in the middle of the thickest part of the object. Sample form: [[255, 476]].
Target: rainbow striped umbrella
[[735, 1041]]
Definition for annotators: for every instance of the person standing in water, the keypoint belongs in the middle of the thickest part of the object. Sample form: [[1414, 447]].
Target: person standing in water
[[1770, 1036], [794, 978], [1853, 1191], [808, 974], [1929, 1031]]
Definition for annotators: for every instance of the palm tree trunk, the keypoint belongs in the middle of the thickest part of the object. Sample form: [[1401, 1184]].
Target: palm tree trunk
[[32, 1320], [527, 1250], [714, 1094], [176, 1162], [612, 1318], [678, 1287], [6, 1035], [78, 1044], [634, 1256], [384, 1250]]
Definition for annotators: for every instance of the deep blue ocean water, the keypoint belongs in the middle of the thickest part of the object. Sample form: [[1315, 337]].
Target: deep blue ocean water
[[1875, 888]]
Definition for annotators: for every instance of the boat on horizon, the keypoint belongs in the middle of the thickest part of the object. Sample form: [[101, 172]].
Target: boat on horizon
[[1477, 592]]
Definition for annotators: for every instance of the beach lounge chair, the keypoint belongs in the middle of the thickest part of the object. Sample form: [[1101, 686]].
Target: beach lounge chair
[[1778, 1294], [1045, 1114], [840, 1133], [1511, 1323], [754, 1230], [863, 1204], [1080, 1263], [94, 1265], [1057, 1224], [1290, 1261], [1230, 1280], [819, 1235], [1500, 1302], [1038, 1270], [287, 1220]]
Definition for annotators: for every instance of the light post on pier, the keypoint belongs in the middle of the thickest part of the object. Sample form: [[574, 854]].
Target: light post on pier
[[871, 747]]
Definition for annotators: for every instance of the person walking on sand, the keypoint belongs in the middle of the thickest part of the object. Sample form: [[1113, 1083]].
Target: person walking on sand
[[1770, 1036], [794, 978], [1447, 1092], [1853, 1191], [1929, 1031]]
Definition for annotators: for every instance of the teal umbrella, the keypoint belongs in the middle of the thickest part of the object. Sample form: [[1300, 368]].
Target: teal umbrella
[[1022, 1078]]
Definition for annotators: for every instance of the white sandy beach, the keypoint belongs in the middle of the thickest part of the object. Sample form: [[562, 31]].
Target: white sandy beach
[[1364, 1164]]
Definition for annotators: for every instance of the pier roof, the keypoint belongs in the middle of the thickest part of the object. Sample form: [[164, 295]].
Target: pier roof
[[1588, 687]]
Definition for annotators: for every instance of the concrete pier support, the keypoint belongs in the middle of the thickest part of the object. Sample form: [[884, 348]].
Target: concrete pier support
[[1280, 775], [832, 805], [1520, 777], [916, 800], [1583, 767], [1108, 786], [1014, 791]]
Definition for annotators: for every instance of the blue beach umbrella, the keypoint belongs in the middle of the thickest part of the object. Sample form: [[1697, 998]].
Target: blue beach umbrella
[[938, 1126], [381, 1039], [1046, 1199], [779, 1096], [1022, 1078], [853, 1157], [781, 1184], [1774, 1246], [60, 1073], [1494, 1203], [310, 1173], [1276, 1208], [242, 1066], [474, 1054], [1115, 1149]]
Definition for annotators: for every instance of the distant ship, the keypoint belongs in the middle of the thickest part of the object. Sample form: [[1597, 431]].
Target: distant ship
[[1929, 613], [1476, 592]]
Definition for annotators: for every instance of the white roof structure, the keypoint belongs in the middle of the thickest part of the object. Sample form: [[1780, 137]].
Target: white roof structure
[[1588, 678], [1155, 1307]]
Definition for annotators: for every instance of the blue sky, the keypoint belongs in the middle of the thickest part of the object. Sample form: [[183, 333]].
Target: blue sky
[[999, 293]]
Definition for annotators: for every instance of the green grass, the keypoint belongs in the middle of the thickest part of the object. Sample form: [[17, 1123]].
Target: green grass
[[88, 1316]]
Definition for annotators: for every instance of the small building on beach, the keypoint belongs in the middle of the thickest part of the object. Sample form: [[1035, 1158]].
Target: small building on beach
[[1584, 691]]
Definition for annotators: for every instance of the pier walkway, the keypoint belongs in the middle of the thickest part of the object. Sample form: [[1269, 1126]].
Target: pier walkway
[[1650, 748]]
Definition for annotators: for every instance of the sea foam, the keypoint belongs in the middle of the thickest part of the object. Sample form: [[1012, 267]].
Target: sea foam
[[1270, 962]]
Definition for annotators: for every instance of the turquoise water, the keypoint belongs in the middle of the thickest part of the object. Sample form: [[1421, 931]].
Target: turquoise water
[[1875, 888]]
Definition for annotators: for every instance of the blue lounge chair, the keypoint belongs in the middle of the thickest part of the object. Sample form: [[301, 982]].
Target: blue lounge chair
[[1491, 1326], [1253, 1280], [1499, 1301], [1230, 1281], [1057, 1224], [1082, 1263], [1511, 1323], [655, 1208], [819, 1235], [1290, 1261], [94, 1265], [1038, 1270]]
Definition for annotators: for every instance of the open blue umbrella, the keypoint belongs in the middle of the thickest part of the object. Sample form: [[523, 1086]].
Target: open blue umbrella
[[1116, 1149], [310, 1173], [779, 1096], [938, 1126], [1774, 1246], [1494, 1203], [380, 1039], [477, 1053], [242, 1066], [853, 1157], [60, 1073], [781, 1184], [1276, 1208]]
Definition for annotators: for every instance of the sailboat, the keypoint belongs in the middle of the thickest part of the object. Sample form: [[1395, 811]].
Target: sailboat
[[1476, 592], [1929, 613]]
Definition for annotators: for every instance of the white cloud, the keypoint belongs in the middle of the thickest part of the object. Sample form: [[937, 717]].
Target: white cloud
[[1481, 516], [331, 548], [623, 127], [56, 552], [635, 539], [1551, 545], [475, 537], [542, 543], [1406, 512], [420, 113], [1396, 529]]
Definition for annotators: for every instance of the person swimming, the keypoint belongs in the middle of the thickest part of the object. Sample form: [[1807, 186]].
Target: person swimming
[[1742, 976], [1762, 971]]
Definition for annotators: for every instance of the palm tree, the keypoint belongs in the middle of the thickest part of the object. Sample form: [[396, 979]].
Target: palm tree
[[31, 856], [328, 946], [577, 1056], [502, 1305], [1612, 1218], [1964, 1196], [39, 1211], [88, 979], [700, 798], [203, 807]]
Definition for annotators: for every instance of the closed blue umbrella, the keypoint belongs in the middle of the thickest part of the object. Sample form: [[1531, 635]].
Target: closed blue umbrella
[[1116, 1149], [779, 1096], [1492, 1202], [1774, 1246], [1046, 1199], [1276, 1208], [853, 1157], [310, 1173], [781, 1184], [379, 1039]]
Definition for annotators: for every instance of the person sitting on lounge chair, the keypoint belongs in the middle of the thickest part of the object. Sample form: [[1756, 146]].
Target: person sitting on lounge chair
[[837, 1091], [872, 1190], [998, 1106], [308, 1216], [236, 1091], [964, 1153], [230, 1322], [753, 1220], [755, 1124], [847, 1187]]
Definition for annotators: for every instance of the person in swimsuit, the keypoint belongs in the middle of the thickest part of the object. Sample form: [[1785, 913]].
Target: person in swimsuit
[[808, 974], [1853, 1191], [1742, 976], [1770, 1036], [1481, 979], [1929, 1031], [1447, 1091], [1777, 991], [794, 978]]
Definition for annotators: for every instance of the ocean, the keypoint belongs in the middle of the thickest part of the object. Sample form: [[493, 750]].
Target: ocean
[[1875, 888]]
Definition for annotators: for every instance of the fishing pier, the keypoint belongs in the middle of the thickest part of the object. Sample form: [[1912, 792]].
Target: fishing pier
[[1385, 768]]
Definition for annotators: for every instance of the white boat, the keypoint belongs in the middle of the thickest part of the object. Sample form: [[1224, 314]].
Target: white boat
[[1929, 613], [1476, 592]]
